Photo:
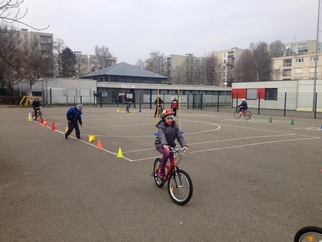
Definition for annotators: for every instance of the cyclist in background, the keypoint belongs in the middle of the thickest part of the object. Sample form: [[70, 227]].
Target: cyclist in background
[[36, 105], [243, 105], [168, 132]]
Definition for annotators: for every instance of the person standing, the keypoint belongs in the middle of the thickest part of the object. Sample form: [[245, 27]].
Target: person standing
[[158, 106], [174, 105], [74, 116]]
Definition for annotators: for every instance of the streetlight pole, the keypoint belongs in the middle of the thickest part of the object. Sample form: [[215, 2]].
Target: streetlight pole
[[225, 91], [316, 58]]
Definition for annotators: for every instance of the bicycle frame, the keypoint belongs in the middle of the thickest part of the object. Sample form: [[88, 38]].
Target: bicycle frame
[[173, 165]]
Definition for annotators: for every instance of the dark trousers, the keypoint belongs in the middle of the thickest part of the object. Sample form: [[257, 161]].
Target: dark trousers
[[71, 126], [175, 111]]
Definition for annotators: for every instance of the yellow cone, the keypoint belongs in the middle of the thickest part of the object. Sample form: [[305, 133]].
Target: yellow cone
[[91, 138], [119, 153], [66, 129], [29, 117], [118, 110]]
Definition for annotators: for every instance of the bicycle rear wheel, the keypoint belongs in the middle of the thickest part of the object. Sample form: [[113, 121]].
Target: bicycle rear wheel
[[180, 187], [237, 114], [309, 233], [248, 115], [159, 182]]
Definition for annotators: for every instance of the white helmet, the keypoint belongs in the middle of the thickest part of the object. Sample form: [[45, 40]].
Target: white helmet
[[243, 99], [80, 106]]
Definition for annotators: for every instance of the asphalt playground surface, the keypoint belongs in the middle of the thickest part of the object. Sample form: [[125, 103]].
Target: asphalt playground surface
[[253, 180]]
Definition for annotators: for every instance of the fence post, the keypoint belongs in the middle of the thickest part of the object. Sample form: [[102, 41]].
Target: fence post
[[218, 102], [285, 96], [315, 104], [50, 96], [201, 99], [151, 99], [259, 104], [237, 101]]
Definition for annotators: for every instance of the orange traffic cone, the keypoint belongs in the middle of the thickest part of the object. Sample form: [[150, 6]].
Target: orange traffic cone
[[53, 126], [41, 121], [44, 123], [99, 145]]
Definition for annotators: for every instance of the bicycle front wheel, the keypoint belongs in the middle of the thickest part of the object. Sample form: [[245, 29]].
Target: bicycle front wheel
[[159, 182], [34, 115], [180, 187], [237, 114], [248, 115]]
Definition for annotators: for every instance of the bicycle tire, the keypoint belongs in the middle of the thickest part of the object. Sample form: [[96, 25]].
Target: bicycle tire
[[180, 187], [159, 182], [308, 233], [237, 114], [248, 115]]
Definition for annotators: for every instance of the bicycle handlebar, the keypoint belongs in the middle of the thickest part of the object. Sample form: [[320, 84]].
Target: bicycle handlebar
[[177, 150]]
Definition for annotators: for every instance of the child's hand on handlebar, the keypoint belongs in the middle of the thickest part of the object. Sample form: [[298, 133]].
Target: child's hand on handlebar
[[186, 149]]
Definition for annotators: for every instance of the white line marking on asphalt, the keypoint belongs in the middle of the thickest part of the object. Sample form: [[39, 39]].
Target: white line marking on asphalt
[[235, 146]]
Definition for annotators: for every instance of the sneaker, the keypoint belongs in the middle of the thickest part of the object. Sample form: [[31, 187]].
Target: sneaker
[[66, 137], [161, 175]]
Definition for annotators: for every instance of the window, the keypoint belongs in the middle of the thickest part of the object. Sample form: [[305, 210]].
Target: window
[[313, 59], [312, 70], [251, 94], [287, 72], [287, 63], [271, 94], [299, 60]]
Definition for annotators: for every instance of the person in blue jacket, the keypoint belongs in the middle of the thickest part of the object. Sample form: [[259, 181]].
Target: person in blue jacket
[[74, 116]]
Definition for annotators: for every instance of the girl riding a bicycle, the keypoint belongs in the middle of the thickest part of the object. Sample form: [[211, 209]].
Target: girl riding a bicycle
[[168, 132]]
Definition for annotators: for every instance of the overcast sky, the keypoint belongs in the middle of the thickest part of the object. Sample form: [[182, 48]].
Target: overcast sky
[[132, 29]]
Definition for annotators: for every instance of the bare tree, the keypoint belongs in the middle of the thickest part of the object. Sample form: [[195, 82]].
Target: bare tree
[[244, 68], [262, 62], [212, 70], [277, 48], [10, 61], [156, 63], [35, 65], [103, 55], [10, 13], [254, 64], [140, 63], [177, 75], [59, 46]]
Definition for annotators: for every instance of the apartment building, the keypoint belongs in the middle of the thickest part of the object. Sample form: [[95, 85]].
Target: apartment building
[[296, 67], [298, 62], [301, 47], [44, 40], [228, 60]]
